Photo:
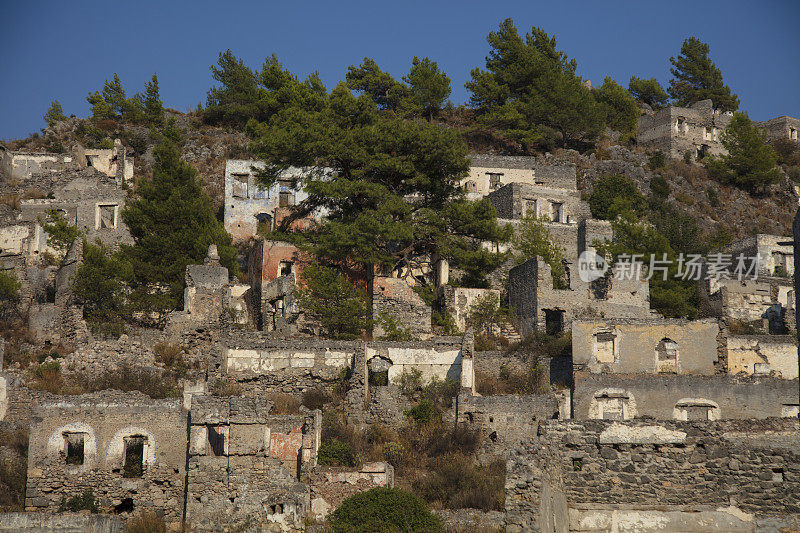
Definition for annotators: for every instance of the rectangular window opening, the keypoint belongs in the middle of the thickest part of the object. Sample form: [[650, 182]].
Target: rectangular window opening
[[134, 456], [216, 440], [74, 444]]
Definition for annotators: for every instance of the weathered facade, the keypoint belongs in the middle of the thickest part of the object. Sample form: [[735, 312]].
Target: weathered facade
[[681, 397], [490, 172], [774, 254], [128, 449], [737, 476], [539, 305], [647, 346], [394, 299], [678, 130], [248, 204], [245, 464], [518, 200], [784, 127]]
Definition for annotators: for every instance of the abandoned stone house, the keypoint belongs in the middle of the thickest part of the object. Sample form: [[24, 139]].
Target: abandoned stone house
[[678, 130], [20, 166], [678, 369], [783, 127], [774, 253], [737, 476], [540, 306], [249, 205], [491, 172]]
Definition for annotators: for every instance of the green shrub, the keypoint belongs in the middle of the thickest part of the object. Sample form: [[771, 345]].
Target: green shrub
[[424, 412], [713, 196], [334, 452], [659, 187], [456, 483], [84, 502], [393, 330], [384, 509], [614, 194], [657, 160]]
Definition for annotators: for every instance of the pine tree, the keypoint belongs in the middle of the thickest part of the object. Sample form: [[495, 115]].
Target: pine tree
[[153, 108], [696, 78], [393, 193], [332, 301], [235, 101], [100, 109], [648, 92], [385, 91], [172, 223], [530, 92], [751, 163], [429, 85], [54, 114], [621, 108], [114, 95]]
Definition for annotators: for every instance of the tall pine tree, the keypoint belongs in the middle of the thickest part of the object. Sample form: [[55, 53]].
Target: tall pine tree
[[153, 108], [697, 78], [429, 85]]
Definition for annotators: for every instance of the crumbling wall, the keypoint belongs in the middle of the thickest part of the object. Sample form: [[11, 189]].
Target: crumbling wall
[[458, 301], [676, 130], [394, 297], [774, 355], [539, 306], [687, 476], [245, 464], [105, 423], [668, 397], [331, 485], [782, 128], [518, 200], [490, 172], [19, 166], [635, 345]]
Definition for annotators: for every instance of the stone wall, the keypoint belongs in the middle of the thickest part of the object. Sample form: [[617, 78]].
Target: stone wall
[[767, 299], [108, 429], [773, 252], [60, 523], [458, 301], [19, 166], [518, 200], [643, 345], [676, 130], [515, 169], [774, 355], [711, 475], [245, 464], [395, 298], [330, 485], [247, 203], [539, 306], [668, 397], [782, 128]]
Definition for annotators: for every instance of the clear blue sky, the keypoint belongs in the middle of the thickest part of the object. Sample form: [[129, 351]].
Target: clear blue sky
[[65, 49]]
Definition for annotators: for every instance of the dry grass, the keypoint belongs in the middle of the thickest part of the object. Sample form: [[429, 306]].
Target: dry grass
[[284, 404], [13, 469], [12, 200], [146, 522], [34, 193], [226, 387]]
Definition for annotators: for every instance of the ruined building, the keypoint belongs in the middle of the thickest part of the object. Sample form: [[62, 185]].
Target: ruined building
[[678, 130], [249, 205]]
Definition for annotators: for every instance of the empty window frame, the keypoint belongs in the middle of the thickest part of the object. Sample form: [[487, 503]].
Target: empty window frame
[[286, 193], [494, 180], [285, 268], [240, 185], [216, 439], [667, 356], [604, 344], [107, 216], [553, 321], [530, 208], [74, 448], [133, 465], [557, 212]]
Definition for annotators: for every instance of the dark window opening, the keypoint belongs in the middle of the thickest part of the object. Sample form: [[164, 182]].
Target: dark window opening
[[75, 448], [134, 456], [493, 436], [553, 321], [577, 465], [216, 440], [379, 379], [275, 509], [494, 180], [285, 268], [125, 506]]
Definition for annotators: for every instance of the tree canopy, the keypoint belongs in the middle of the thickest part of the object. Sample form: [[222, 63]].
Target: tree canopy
[[530, 90], [697, 78], [621, 110], [54, 114], [390, 189], [648, 92], [430, 86], [751, 163], [613, 194]]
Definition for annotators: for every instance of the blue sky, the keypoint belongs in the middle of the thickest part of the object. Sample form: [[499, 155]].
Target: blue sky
[[63, 50]]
